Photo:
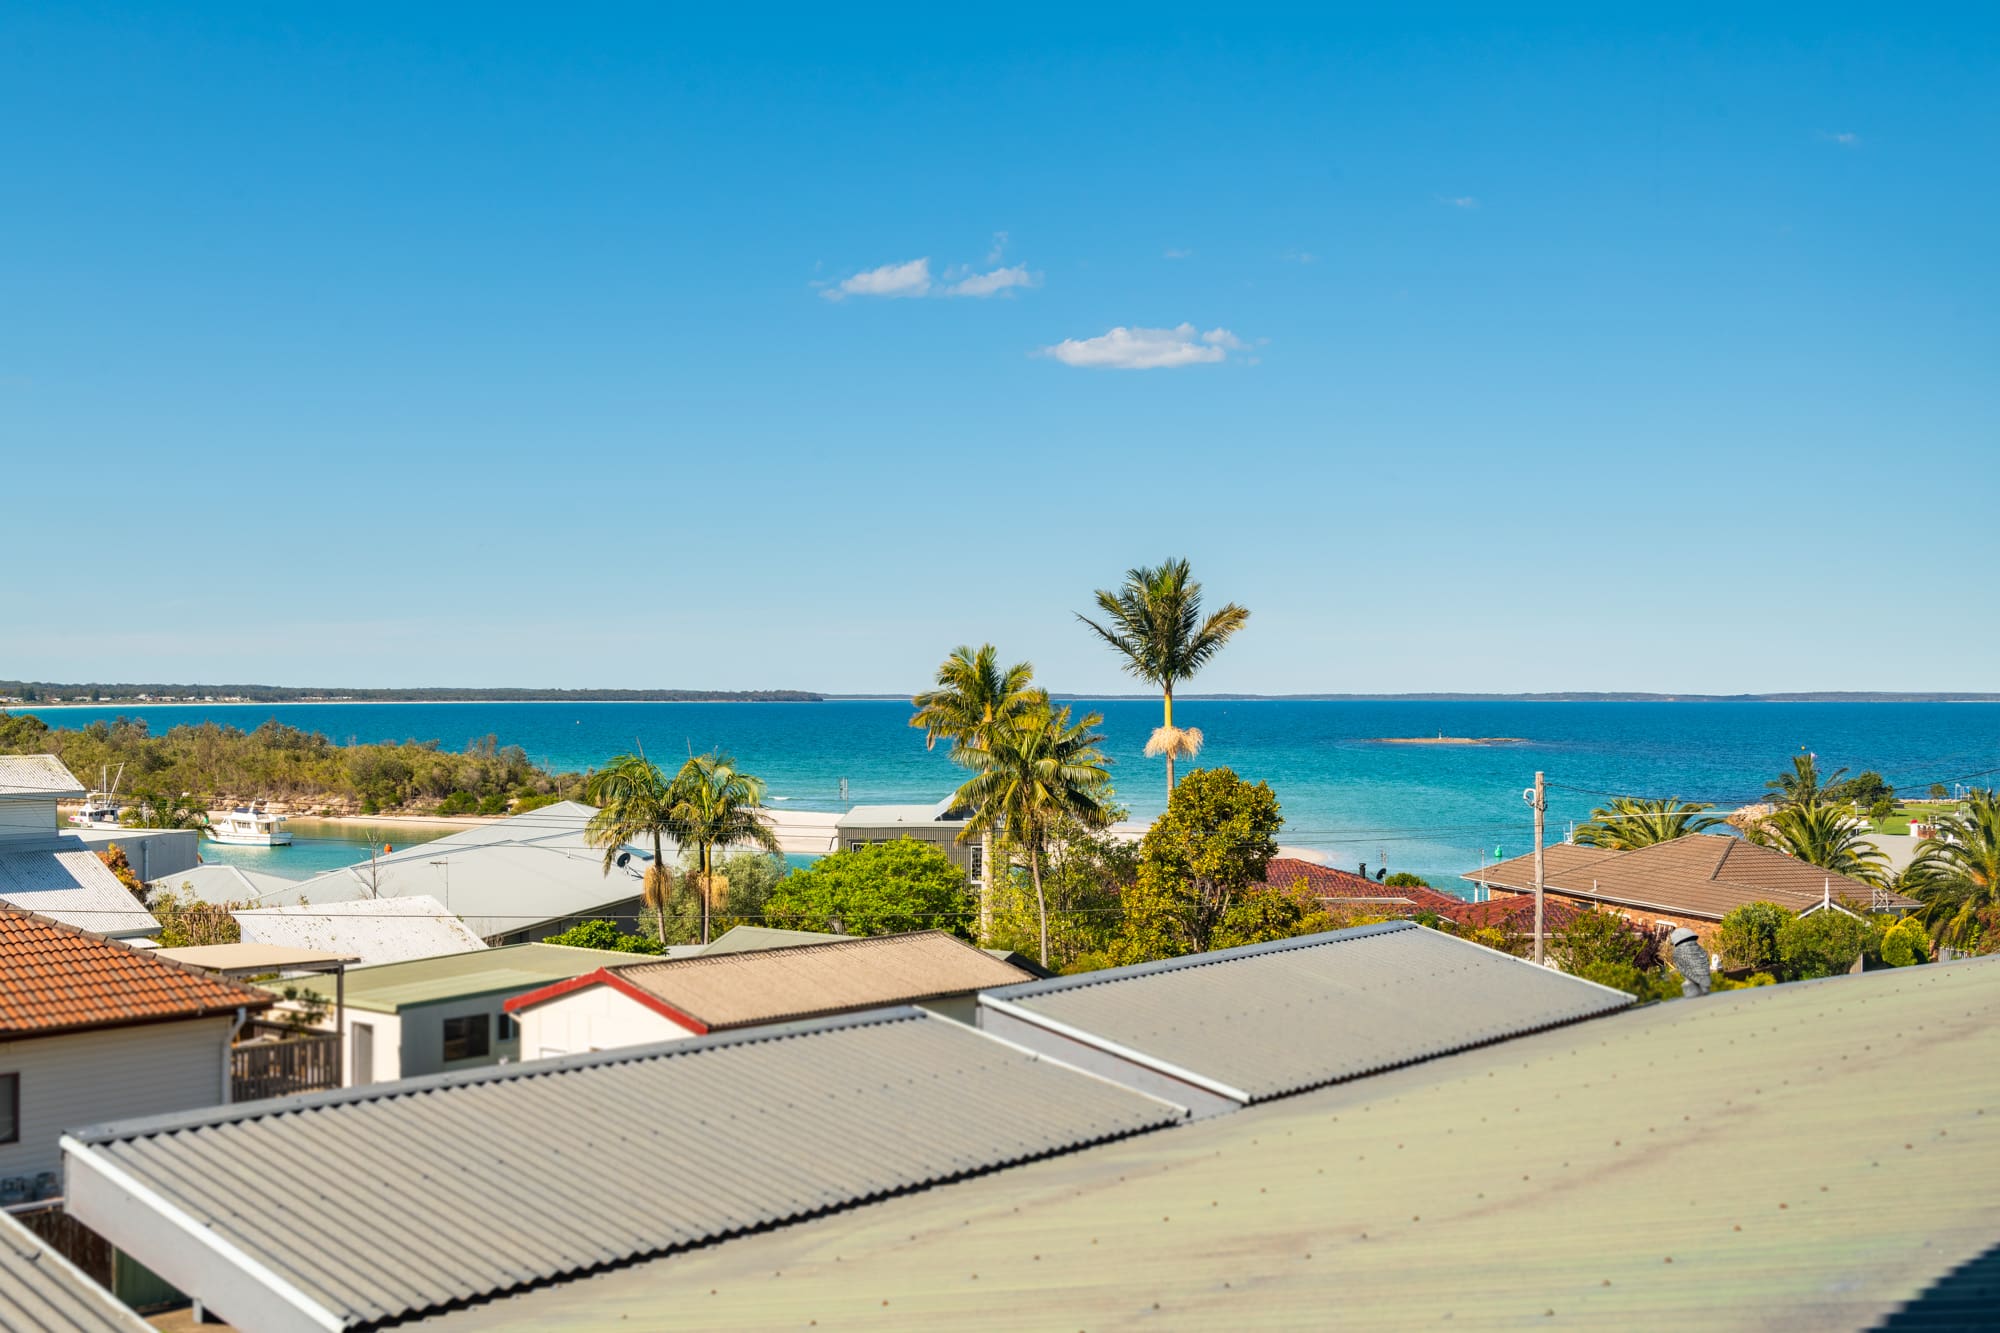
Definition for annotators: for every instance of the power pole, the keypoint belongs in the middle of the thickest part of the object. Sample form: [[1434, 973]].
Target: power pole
[[1538, 797]]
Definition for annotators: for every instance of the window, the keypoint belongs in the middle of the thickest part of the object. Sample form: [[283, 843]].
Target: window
[[468, 1038], [978, 861], [503, 1027], [10, 1108]]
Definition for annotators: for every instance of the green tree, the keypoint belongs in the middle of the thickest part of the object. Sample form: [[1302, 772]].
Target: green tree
[[1864, 791], [1748, 936], [1897, 943], [1827, 836], [1956, 875], [750, 878], [1804, 785], [186, 921], [1260, 914], [635, 805], [1403, 879], [973, 700], [1154, 623], [884, 888], [1820, 944], [716, 805], [1040, 773], [1630, 822], [1087, 877], [1595, 937], [1213, 843], [159, 809], [1939, 791], [603, 934]]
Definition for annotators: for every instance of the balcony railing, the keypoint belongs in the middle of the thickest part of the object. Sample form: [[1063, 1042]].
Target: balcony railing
[[284, 1067]]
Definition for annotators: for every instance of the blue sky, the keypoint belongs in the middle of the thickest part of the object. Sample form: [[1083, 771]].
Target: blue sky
[[491, 346]]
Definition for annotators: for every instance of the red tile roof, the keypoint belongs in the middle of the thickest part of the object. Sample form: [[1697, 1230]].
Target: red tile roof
[[1516, 912], [56, 978], [1343, 888]]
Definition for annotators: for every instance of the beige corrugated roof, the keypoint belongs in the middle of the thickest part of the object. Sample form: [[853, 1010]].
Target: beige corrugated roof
[[1801, 1156], [1702, 875], [251, 959], [741, 989], [36, 775]]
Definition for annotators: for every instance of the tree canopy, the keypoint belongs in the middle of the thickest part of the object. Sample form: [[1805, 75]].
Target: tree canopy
[[1628, 823], [881, 889], [1215, 840]]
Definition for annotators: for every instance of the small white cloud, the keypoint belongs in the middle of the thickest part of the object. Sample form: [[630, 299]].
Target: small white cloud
[[1146, 349], [1300, 257], [1461, 201], [992, 284], [1845, 140], [1178, 254], [999, 247], [910, 279]]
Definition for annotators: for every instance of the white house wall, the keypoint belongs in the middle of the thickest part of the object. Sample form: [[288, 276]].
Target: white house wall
[[87, 1078], [596, 1018], [27, 816]]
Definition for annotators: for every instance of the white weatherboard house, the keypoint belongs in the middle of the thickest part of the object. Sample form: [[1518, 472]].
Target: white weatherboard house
[[671, 1000], [45, 870], [93, 1030], [443, 1015]]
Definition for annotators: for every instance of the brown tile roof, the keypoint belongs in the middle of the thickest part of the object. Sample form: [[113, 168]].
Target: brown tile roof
[[1516, 912], [721, 991], [56, 978], [1701, 875], [1341, 887]]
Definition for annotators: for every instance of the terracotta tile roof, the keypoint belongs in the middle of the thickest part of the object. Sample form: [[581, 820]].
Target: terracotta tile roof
[[1341, 887], [1701, 875], [56, 978], [721, 991], [1516, 912]]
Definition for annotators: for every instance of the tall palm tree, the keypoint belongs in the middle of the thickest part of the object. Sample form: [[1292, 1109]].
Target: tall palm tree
[[634, 803], [714, 806], [1956, 875], [1629, 823], [1155, 623], [1804, 785], [1041, 771], [974, 700], [1826, 836]]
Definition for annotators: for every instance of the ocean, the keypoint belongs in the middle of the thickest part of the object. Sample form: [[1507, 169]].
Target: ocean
[[1435, 810]]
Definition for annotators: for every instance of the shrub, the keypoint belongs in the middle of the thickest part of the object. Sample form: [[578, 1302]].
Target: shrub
[[494, 804], [458, 803], [186, 920], [1823, 944], [1749, 936], [1262, 914], [603, 935], [1664, 984], [1600, 937], [881, 889], [1403, 879], [1902, 944]]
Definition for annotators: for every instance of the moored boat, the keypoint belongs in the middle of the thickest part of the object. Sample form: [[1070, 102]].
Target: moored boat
[[249, 826]]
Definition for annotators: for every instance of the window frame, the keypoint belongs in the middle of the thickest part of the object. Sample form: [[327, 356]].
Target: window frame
[[484, 1041], [10, 1097]]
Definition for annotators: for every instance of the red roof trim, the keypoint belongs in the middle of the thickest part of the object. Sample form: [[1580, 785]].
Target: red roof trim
[[605, 976]]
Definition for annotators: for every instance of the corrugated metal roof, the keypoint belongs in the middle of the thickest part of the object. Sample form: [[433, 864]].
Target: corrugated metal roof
[[374, 930], [389, 987], [374, 1204], [66, 881], [36, 775], [748, 939], [42, 1292], [249, 957], [1270, 1019], [734, 990], [1792, 1157]]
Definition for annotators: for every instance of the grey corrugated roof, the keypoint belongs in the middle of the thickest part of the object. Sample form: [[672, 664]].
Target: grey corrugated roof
[[65, 880], [1270, 1019], [374, 1204], [36, 775], [42, 1292], [374, 930]]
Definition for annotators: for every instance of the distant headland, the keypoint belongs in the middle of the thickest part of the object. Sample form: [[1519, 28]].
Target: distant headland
[[91, 693]]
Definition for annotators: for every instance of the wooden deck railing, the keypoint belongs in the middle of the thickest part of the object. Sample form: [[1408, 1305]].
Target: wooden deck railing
[[282, 1068]]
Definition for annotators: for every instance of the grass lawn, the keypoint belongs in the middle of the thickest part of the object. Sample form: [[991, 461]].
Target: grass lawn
[[1920, 811]]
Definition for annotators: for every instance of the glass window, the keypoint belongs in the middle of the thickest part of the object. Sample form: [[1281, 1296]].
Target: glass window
[[503, 1027], [469, 1037], [10, 1108]]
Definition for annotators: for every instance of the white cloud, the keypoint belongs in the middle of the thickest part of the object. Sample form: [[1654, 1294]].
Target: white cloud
[[1462, 201], [1179, 254], [999, 247], [1146, 349], [1847, 139], [909, 279], [991, 284], [1300, 257]]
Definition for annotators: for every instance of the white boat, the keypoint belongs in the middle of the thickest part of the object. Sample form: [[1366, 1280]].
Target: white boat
[[249, 826], [101, 808]]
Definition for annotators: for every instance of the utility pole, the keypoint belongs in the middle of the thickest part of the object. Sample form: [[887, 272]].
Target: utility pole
[[1538, 797]]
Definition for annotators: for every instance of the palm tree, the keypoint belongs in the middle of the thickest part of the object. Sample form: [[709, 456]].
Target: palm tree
[[1630, 822], [1956, 875], [159, 809], [716, 806], [973, 701], [1804, 785], [634, 803], [1826, 836], [1155, 623], [1040, 772]]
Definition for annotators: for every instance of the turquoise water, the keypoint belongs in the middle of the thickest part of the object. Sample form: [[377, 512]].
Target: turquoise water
[[1430, 809], [318, 846]]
